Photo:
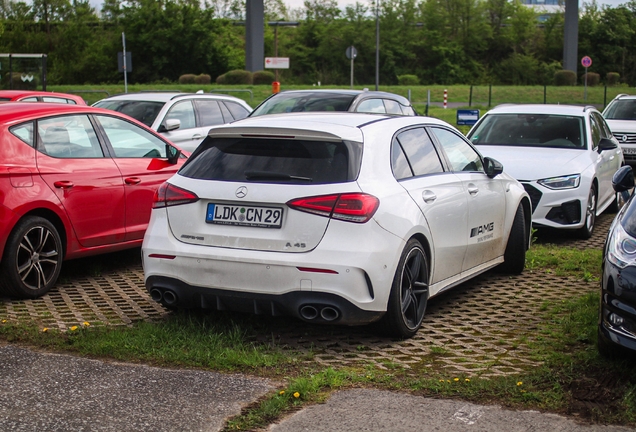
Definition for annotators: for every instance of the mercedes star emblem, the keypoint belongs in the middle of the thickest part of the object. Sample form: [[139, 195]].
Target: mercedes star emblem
[[241, 192]]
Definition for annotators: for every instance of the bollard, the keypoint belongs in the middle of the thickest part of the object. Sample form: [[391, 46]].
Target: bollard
[[275, 87], [445, 98]]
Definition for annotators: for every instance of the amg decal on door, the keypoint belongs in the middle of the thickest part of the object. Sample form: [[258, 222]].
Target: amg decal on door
[[483, 229]]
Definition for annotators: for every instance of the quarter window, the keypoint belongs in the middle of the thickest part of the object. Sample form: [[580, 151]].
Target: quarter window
[[461, 156], [596, 131], [24, 132], [238, 111]]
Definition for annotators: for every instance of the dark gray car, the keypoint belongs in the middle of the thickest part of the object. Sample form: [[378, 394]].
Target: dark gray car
[[364, 101]]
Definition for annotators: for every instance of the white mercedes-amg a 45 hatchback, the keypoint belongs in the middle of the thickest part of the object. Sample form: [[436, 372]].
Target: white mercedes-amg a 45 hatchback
[[332, 218]]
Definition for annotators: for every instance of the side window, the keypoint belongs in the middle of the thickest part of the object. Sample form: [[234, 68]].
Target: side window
[[461, 155], [131, 141], [69, 137], [238, 111], [596, 131], [29, 99], [605, 130], [24, 132], [374, 106], [184, 112], [392, 107], [209, 112], [420, 152], [54, 99], [407, 110]]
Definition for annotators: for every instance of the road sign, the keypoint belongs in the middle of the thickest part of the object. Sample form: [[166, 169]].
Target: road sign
[[586, 61], [467, 117], [120, 61], [276, 62], [351, 52]]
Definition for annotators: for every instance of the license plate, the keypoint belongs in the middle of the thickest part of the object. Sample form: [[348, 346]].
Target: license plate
[[629, 151], [252, 216]]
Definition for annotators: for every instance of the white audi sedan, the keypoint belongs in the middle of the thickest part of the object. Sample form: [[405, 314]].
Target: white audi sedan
[[332, 218], [564, 155]]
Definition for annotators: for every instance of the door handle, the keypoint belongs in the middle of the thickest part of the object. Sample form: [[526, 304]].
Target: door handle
[[428, 196], [64, 184], [472, 189], [132, 180], [197, 137]]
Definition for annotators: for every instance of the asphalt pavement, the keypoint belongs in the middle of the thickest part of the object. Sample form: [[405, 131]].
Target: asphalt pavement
[[53, 392]]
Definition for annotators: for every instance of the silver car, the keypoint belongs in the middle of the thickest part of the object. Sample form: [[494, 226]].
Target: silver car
[[183, 118]]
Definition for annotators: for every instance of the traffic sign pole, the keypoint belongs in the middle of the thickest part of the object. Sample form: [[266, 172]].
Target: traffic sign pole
[[586, 62]]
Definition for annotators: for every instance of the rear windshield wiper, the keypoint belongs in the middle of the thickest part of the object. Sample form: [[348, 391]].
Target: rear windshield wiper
[[264, 175]]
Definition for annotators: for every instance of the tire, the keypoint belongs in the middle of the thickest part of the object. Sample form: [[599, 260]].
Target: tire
[[590, 215], [32, 258], [409, 293], [515, 254]]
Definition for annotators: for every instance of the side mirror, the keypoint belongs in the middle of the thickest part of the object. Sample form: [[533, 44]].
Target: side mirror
[[493, 167], [606, 144], [173, 154], [623, 179], [170, 125]]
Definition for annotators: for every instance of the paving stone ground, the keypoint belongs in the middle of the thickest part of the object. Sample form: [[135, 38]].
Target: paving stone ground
[[480, 328]]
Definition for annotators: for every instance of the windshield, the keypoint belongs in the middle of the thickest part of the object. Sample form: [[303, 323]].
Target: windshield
[[530, 130], [621, 110], [304, 101], [144, 111]]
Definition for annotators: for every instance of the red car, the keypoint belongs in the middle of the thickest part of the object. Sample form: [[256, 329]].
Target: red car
[[74, 181], [40, 96]]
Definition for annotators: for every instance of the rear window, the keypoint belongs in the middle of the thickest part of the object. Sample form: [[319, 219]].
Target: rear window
[[143, 111], [305, 101], [274, 161], [530, 130]]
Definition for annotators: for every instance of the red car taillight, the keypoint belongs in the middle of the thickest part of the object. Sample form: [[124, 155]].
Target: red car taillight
[[350, 207], [169, 195]]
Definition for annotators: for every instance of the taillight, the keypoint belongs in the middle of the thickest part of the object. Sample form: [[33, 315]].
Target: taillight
[[169, 195], [350, 207]]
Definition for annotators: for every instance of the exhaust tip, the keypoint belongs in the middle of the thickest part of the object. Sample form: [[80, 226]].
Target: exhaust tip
[[308, 312], [329, 313], [156, 294], [170, 298]]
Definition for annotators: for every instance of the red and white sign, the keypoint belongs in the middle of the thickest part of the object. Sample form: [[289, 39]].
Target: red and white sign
[[586, 62], [276, 62]]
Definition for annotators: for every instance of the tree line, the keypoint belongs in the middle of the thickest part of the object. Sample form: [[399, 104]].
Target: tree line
[[439, 41]]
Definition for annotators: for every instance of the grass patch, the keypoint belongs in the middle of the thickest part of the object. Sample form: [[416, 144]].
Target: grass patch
[[581, 264]]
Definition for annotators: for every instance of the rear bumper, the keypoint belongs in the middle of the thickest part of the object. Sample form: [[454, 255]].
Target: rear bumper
[[314, 307]]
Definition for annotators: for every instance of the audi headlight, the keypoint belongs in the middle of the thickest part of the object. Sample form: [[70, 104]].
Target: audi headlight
[[564, 182], [621, 248]]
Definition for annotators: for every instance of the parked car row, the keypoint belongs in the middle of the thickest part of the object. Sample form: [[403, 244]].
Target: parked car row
[[342, 218]]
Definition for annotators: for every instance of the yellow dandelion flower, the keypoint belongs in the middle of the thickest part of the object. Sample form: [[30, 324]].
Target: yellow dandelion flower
[[73, 328], [4, 321], [45, 329], [467, 380], [282, 392], [86, 324], [519, 383], [447, 380], [296, 395], [441, 380], [455, 379]]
